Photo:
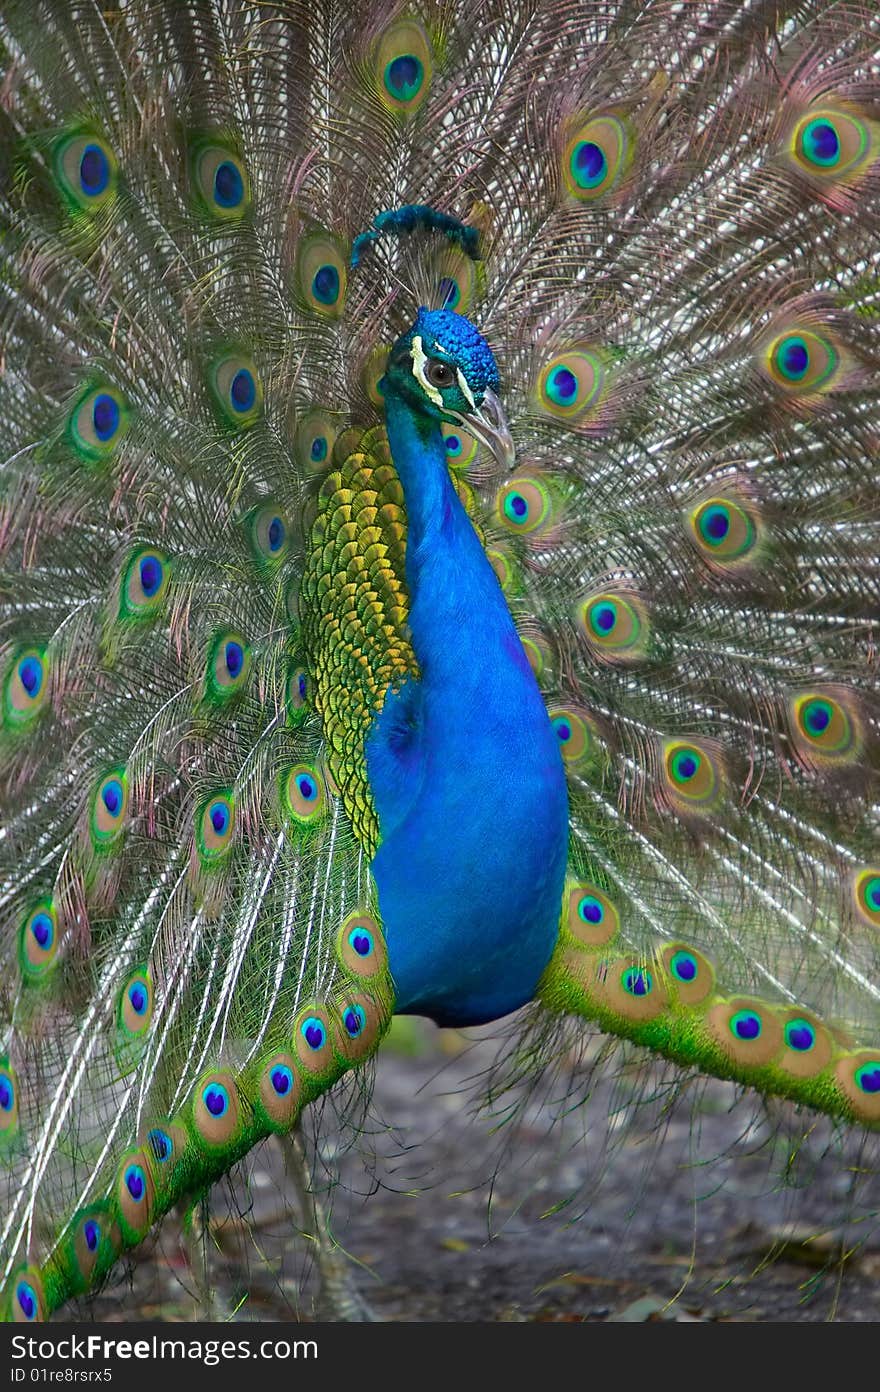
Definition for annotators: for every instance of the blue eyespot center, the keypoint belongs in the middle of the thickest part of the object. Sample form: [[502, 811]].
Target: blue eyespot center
[[800, 1035], [151, 575], [361, 941], [817, 717], [160, 1144], [589, 164], [636, 981], [94, 171], [307, 787], [276, 534], [448, 291], [868, 1078], [821, 143], [234, 659], [216, 1099], [219, 817], [27, 1300], [590, 909], [793, 357], [228, 185], [112, 796], [105, 417], [563, 729], [604, 617], [355, 1020], [313, 1032], [243, 391], [281, 1079], [92, 1234], [43, 930], [325, 284], [562, 385], [302, 686], [138, 997], [684, 966], [30, 674], [746, 1025], [7, 1093], [135, 1182], [404, 76], [716, 523]]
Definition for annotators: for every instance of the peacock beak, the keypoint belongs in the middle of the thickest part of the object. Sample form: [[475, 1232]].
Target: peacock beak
[[489, 424]]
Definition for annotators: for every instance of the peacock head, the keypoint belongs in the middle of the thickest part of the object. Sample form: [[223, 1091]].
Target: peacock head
[[445, 370]]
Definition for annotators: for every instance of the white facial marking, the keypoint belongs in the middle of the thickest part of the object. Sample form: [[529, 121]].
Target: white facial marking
[[465, 389], [420, 358]]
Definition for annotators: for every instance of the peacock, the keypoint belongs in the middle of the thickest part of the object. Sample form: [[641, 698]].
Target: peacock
[[439, 566]]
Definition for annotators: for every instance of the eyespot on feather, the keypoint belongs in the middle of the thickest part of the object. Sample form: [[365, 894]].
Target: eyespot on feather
[[216, 1109], [632, 988], [690, 974], [571, 384], [86, 171], [694, 778], [314, 438], [462, 448], [361, 945], [98, 423], [403, 66], [322, 274], [108, 812], [221, 182], [590, 914], [808, 1045], [358, 1025], [94, 1245], [300, 696], [801, 361], [228, 666], [825, 725], [215, 827], [27, 1300], [866, 895], [304, 796], [858, 1077], [596, 156], [524, 505], [312, 1044], [831, 144], [616, 626], [237, 390], [281, 1090], [39, 940], [134, 1012], [269, 535], [134, 1193], [724, 531], [25, 687], [143, 584], [9, 1106], [747, 1030], [579, 742]]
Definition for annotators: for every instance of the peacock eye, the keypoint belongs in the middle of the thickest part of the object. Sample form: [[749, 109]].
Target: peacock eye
[[439, 374]]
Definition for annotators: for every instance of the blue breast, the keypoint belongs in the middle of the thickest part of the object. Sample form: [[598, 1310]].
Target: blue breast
[[470, 791]]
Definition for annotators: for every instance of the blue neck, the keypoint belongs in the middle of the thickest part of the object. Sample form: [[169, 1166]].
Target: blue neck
[[465, 770]]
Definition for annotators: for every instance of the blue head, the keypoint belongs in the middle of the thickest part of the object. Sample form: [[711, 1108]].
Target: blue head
[[444, 369]]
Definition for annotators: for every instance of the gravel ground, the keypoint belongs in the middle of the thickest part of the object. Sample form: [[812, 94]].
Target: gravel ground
[[440, 1225]]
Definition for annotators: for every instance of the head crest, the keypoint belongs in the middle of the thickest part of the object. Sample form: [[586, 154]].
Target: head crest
[[414, 217]]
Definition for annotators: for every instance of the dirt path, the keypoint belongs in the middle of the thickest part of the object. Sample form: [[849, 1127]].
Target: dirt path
[[659, 1233]]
